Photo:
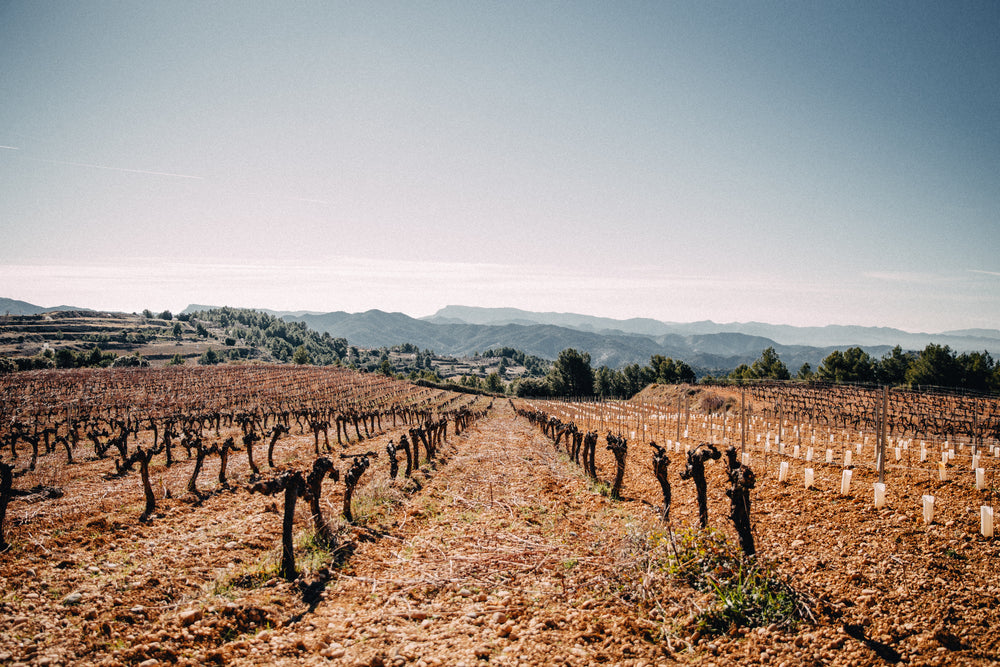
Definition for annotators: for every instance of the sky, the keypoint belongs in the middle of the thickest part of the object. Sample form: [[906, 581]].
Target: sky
[[803, 163]]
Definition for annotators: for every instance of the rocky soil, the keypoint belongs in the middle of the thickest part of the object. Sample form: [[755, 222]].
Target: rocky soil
[[499, 552]]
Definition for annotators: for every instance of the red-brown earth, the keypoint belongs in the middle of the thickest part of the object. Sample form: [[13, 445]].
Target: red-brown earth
[[499, 552]]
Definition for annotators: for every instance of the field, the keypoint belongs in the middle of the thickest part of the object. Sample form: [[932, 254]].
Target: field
[[498, 549]]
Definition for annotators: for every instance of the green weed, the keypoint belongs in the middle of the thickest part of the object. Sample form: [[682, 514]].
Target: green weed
[[745, 592]]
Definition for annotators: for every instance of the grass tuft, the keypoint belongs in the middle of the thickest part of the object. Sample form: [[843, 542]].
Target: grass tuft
[[742, 592]]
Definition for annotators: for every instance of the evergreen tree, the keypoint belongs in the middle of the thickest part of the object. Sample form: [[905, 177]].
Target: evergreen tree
[[571, 374]]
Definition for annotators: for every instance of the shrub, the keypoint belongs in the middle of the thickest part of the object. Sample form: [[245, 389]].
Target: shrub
[[130, 361], [209, 358]]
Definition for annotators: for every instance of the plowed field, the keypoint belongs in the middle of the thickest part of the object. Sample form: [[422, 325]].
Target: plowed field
[[500, 551]]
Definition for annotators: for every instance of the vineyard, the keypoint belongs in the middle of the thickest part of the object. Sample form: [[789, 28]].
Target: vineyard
[[305, 515]]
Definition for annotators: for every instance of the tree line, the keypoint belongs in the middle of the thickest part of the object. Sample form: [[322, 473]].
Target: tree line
[[934, 366], [571, 374]]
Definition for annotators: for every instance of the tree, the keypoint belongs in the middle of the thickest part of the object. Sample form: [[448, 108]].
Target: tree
[[606, 382], [891, 369], [166, 315], [201, 330], [978, 370], [741, 372], [852, 365], [685, 373], [770, 366], [209, 358], [805, 372], [571, 374], [95, 358], [935, 365], [634, 379], [177, 330], [527, 387], [385, 368], [176, 360], [664, 369], [65, 358], [494, 383], [130, 361], [301, 356], [148, 314]]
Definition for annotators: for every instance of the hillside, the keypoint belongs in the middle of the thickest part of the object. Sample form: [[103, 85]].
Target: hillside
[[15, 307], [116, 334]]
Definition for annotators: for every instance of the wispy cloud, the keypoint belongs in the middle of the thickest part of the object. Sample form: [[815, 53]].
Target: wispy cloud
[[912, 277], [10, 148], [121, 169], [417, 287], [985, 273]]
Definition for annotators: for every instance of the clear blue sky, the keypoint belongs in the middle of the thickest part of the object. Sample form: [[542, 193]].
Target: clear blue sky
[[800, 163]]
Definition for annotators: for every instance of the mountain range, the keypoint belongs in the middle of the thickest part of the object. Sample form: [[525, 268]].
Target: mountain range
[[707, 346], [15, 307]]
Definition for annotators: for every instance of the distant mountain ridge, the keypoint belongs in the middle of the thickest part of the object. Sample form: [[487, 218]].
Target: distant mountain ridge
[[966, 340], [15, 307], [707, 346]]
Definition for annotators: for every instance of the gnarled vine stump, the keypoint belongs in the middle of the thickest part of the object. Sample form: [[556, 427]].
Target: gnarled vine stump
[[6, 482], [293, 485], [352, 478], [390, 449], [661, 464], [695, 470], [404, 444], [618, 445], [276, 432], [322, 467], [743, 479]]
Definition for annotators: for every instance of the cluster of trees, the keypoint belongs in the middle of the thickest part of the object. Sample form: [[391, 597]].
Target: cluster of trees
[[493, 383], [165, 315], [768, 366], [280, 338], [935, 365], [572, 375], [61, 358]]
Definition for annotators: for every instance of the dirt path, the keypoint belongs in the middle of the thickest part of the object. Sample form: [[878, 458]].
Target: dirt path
[[497, 558]]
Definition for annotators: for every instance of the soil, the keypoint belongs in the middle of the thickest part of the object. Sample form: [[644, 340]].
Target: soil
[[500, 551]]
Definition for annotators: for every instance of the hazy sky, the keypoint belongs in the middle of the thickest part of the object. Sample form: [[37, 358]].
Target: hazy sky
[[801, 163]]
